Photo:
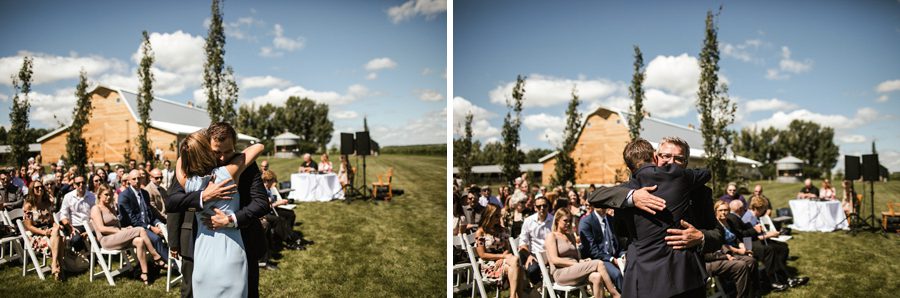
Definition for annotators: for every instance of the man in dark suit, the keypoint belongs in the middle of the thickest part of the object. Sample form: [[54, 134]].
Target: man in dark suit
[[598, 242], [181, 226], [706, 236], [135, 211], [254, 202]]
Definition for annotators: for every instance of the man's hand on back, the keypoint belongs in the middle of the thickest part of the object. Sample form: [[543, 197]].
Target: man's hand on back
[[218, 191], [645, 201], [684, 239]]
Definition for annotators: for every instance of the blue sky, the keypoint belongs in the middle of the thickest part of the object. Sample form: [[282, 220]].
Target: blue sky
[[382, 59], [832, 62]]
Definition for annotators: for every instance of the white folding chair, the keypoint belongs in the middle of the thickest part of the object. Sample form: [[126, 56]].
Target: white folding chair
[[177, 261], [97, 254], [551, 285], [39, 268], [480, 280], [10, 247], [462, 273], [514, 244], [769, 225]]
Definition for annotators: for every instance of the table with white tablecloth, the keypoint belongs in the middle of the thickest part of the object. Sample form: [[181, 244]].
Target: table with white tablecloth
[[817, 216], [315, 187]]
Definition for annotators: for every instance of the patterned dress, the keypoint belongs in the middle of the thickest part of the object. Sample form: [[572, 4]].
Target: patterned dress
[[494, 245], [41, 219]]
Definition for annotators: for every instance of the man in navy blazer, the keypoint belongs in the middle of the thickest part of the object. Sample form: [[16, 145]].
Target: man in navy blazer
[[598, 242], [135, 211]]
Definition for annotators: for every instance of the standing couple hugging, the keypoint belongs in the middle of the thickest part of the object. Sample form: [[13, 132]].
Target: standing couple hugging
[[217, 200]]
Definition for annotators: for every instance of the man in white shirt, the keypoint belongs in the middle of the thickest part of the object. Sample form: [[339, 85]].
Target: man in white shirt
[[167, 174], [487, 198], [76, 211], [534, 230]]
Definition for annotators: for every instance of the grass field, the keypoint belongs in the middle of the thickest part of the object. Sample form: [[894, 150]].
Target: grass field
[[839, 264], [375, 249]]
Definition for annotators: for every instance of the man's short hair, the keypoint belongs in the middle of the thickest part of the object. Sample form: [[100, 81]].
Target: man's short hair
[[637, 153], [221, 131], [685, 148], [735, 205]]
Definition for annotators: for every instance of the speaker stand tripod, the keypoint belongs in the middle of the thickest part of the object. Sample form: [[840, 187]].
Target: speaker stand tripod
[[857, 223]]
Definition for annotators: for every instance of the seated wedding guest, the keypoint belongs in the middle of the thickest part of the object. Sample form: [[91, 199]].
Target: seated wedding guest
[[734, 261], [135, 211], [486, 197], [459, 217], [325, 166], [281, 220], [492, 246], [96, 181], [75, 212], [848, 200], [517, 213], [10, 195], [827, 192], [732, 194], [111, 235], [808, 191], [472, 211], [568, 268], [167, 174], [308, 165], [344, 172], [158, 194], [599, 242], [535, 229], [38, 221], [774, 257]]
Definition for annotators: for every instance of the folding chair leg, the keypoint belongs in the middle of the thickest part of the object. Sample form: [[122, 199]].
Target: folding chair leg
[[106, 272]]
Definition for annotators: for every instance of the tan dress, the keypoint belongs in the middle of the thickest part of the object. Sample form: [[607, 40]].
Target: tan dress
[[118, 240], [575, 274]]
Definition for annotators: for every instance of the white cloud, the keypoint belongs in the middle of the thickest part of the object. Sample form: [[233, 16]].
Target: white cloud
[[412, 8], [4, 97], [852, 139], [546, 91], [430, 95], [543, 120], [178, 52], [743, 50], [430, 128], [883, 98], [268, 52], [677, 74], [552, 136], [372, 76], [788, 65], [768, 105], [345, 114], [199, 96], [287, 43], [890, 159], [665, 105], [380, 64], [888, 86], [481, 127], [278, 96], [49, 68], [237, 30], [263, 82], [52, 109], [781, 120], [427, 71]]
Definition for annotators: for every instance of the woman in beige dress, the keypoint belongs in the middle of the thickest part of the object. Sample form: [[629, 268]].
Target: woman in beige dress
[[568, 268], [111, 236], [39, 225]]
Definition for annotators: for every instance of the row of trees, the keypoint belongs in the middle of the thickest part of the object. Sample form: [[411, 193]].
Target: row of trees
[[808, 141], [301, 116]]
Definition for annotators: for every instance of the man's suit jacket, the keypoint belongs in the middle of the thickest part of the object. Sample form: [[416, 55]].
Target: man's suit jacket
[[130, 211], [254, 203], [10, 197], [591, 235], [739, 227], [158, 196]]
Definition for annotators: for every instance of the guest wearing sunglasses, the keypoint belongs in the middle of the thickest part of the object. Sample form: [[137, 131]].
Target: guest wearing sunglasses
[[75, 211], [531, 240]]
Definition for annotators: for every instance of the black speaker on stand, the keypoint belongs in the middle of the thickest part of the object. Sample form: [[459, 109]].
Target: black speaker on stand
[[363, 149], [870, 167], [852, 169]]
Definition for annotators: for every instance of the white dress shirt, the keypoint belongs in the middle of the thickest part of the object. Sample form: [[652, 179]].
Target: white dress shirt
[[77, 209], [534, 232]]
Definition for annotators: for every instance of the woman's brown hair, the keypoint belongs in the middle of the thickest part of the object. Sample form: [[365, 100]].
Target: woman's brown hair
[[45, 195], [99, 192], [197, 158], [561, 213], [488, 216]]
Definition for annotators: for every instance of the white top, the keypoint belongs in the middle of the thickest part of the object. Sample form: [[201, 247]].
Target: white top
[[77, 209], [534, 232], [167, 178]]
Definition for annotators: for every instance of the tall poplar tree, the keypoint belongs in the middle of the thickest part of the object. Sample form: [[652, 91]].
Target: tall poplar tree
[[76, 146], [636, 91], [230, 96], [511, 124], [463, 152], [214, 67], [715, 108], [145, 76], [18, 116], [565, 163]]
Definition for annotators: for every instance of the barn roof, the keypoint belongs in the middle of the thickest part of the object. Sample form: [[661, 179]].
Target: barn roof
[[166, 115], [653, 130], [287, 136]]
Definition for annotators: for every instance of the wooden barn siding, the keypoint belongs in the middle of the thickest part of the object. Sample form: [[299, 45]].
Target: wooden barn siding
[[107, 131], [598, 153]]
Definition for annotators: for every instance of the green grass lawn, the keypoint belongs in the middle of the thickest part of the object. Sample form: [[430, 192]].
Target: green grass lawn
[[375, 249]]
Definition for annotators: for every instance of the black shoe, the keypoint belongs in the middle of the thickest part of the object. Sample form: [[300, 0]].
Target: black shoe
[[798, 281], [271, 266], [777, 287]]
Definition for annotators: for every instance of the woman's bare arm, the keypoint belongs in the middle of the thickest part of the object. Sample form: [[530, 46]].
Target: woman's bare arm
[[179, 174]]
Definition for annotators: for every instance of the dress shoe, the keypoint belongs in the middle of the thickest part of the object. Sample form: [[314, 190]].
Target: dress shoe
[[271, 266], [777, 287], [797, 281]]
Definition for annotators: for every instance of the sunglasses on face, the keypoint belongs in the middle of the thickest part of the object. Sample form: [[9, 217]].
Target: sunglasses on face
[[96, 180], [539, 206], [78, 182]]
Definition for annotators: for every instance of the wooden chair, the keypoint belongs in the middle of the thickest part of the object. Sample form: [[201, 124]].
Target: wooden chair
[[97, 254], [891, 213], [381, 183]]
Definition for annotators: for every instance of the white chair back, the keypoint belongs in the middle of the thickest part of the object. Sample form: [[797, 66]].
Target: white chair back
[[514, 246], [30, 253], [767, 223]]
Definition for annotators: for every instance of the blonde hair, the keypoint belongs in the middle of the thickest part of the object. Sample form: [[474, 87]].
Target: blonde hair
[[759, 203], [269, 176], [561, 213], [196, 155]]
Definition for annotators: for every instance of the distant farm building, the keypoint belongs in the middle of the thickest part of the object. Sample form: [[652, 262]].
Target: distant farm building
[[603, 135], [113, 127]]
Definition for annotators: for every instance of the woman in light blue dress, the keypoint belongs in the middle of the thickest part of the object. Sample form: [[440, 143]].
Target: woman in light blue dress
[[220, 261]]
